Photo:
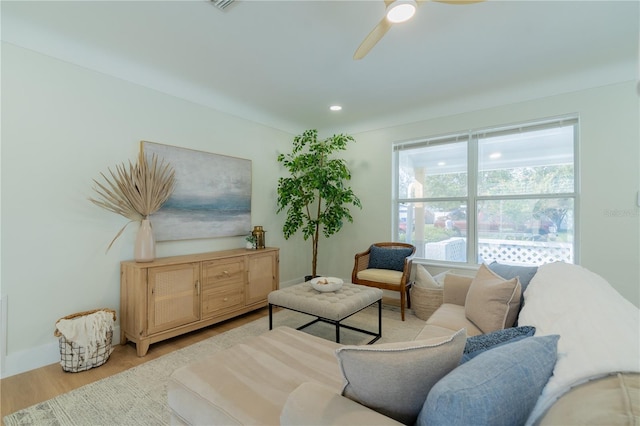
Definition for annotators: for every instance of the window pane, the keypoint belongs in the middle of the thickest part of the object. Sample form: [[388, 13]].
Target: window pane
[[526, 232], [429, 227], [433, 171], [533, 162]]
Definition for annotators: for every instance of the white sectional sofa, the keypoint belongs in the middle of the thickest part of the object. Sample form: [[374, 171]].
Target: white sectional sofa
[[587, 371]]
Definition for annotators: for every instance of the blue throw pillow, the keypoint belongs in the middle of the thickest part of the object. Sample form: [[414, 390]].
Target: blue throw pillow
[[524, 274], [498, 387], [387, 258], [477, 344]]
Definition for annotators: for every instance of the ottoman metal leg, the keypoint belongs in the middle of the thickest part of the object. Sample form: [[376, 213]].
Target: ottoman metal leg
[[270, 316], [379, 318]]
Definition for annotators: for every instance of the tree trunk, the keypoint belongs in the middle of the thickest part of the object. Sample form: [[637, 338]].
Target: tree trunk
[[314, 261], [316, 237]]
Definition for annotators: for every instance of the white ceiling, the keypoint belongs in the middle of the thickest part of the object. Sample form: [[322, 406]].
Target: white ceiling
[[283, 63]]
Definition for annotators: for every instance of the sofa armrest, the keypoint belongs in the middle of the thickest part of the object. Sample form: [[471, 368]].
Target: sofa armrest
[[456, 288], [316, 404]]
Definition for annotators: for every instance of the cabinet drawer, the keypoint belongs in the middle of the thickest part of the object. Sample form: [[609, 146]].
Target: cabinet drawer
[[223, 273], [221, 298]]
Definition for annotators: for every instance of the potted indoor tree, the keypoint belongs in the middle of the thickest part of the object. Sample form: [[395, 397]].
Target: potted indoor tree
[[314, 195]]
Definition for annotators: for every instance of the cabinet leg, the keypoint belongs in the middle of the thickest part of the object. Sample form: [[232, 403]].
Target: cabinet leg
[[142, 348]]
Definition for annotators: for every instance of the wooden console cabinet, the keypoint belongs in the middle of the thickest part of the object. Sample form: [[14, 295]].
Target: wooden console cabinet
[[174, 295]]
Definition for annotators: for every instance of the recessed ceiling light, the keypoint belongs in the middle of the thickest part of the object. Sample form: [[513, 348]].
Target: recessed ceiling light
[[441, 163], [335, 108], [495, 155]]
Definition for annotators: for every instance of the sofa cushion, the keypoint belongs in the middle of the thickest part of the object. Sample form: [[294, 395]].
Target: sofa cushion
[[477, 344], [313, 403], [250, 382], [395, 378], [524, 274], [492, 302], [612, 400], [456, 288], [452, 318], [388, 258], [498, 387]]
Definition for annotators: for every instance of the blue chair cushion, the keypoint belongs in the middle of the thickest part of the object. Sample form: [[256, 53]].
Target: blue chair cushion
[[498, 387], [388, 258], [477, 344]]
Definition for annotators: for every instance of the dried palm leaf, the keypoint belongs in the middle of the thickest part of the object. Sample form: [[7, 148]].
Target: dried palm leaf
[[136, 191]]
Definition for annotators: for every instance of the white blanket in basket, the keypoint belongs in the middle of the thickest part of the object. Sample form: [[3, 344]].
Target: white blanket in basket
[[87, 330]]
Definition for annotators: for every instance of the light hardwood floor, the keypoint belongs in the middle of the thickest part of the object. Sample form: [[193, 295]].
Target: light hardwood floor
[[29, 388]]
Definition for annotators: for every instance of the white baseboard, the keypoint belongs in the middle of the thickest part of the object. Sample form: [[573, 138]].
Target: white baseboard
[[30, 359]]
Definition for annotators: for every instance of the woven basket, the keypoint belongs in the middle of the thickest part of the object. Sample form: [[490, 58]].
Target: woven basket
[[73, 357], [424, 301]]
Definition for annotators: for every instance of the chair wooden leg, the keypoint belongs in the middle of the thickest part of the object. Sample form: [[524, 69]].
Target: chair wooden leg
[[402, 304]]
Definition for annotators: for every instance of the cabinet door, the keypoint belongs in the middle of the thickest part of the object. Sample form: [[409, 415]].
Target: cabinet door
[[222, 286], [174, 297], [262, 277]]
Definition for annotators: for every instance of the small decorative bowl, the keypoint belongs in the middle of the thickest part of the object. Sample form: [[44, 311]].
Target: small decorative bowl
[[327, 284]]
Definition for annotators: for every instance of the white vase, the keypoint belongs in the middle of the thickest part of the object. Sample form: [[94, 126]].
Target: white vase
[[145, 248]]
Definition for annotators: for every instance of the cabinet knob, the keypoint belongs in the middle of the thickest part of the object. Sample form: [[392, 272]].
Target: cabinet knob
[[225, 299]]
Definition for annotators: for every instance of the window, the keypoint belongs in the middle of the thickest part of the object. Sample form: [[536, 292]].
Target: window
[[501, 194]]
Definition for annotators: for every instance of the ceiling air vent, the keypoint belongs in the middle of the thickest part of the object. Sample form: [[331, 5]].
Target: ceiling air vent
[[221, 4]]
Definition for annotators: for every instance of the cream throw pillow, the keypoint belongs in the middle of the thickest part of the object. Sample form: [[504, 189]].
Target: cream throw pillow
[[395, 378], [424, 278], [492, 302]]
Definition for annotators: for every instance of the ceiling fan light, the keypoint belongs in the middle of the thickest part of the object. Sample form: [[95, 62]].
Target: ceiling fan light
[[401, 11]]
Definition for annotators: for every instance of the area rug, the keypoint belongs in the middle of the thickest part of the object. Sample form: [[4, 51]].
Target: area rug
[[138, 396]]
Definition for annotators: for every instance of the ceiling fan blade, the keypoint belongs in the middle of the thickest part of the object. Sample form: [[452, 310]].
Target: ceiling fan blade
[[374, 37]]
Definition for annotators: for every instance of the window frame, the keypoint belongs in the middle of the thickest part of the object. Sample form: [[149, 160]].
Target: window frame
[[472, 136]]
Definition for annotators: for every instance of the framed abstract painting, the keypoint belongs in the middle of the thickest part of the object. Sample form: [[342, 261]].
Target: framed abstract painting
[[212, 196]]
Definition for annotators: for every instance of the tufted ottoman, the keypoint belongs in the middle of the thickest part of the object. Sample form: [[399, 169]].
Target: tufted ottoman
[[330, 307]]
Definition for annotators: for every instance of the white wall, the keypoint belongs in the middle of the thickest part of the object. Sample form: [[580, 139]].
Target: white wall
[[61, 126], [609, 239]]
